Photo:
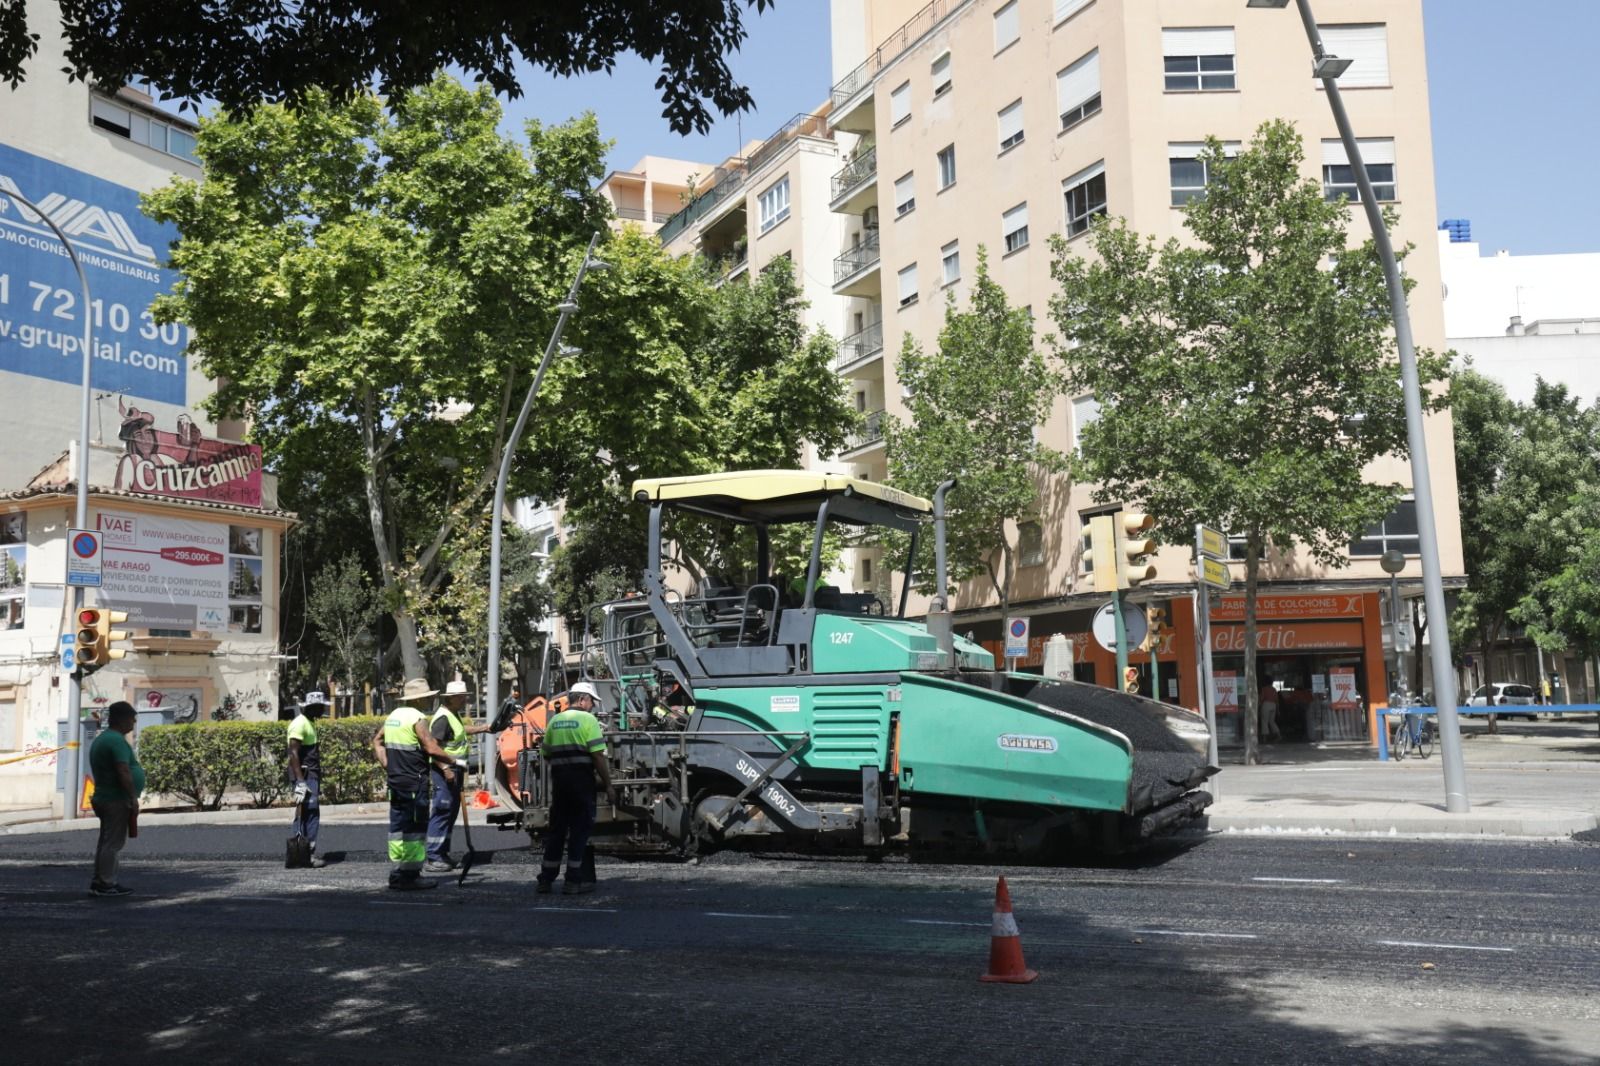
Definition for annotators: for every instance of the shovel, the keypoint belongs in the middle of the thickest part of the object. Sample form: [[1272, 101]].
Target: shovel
[[473, 857]]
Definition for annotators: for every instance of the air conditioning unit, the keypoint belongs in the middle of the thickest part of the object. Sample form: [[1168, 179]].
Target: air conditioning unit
[[869, 218]]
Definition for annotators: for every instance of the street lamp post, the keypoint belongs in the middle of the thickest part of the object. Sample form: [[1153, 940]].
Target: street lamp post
[[69, 795], [1394, 561], [1328, 68], [566, 307]]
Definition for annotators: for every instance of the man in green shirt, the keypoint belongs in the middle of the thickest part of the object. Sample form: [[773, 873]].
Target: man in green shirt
[[118, 783]]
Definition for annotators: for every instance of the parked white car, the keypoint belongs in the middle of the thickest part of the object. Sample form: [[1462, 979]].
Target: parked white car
[[1511, 697]]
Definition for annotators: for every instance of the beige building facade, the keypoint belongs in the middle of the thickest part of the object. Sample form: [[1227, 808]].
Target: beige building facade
[[997, 123]]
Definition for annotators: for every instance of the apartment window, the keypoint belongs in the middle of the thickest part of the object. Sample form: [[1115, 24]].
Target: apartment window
[[774, 203], [1199, 60], [1085, 410], [1085, 194], [941, 75], [900, 104], [1068, 8], [950, 260], [1030, 544], [1007, 28], [947, 167], [905, 196], [1011, 126], [1014, 227], [861, 403], [141, 129], [1339, 177], [908, 285], [866, 571], [1190, 175], [1078, 90], [1367, 48], [1397, 531]]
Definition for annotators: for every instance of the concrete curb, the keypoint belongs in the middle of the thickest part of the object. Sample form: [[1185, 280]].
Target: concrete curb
[[1406, 820], [345, 813]]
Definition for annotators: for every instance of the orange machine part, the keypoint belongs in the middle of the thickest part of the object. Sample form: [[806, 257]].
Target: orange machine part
[[525, 731]]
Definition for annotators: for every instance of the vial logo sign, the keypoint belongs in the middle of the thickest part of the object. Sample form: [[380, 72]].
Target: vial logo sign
[[1026, 742]]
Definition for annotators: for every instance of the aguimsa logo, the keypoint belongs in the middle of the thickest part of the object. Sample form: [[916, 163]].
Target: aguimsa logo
[[1025, 742]]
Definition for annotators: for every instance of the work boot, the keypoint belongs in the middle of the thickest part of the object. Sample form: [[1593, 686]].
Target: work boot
[[439, 866], [543, 887], [577, 888], [317, 862], [411, 884]]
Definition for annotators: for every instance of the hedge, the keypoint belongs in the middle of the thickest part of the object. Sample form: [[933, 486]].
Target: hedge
[[201, 762]]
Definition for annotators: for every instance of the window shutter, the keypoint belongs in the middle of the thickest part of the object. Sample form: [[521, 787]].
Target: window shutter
[[1078, 82], [1014, 219], [1374, 151], [908, 283], [1006, 25], [1011, 122], [900, 104], [941, 73], [1368, 49], [904, 193], [1216, 41], [1068, 7]]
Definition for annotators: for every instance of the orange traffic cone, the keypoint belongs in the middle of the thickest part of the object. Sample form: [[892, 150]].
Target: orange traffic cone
[[1005, 945], [483, 801]]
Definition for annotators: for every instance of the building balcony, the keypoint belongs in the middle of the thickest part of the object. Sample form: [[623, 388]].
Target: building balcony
[[726, 181], [856, 183], [730, 264], [852, 94], [870, 436], [855, 273], [857, 348], [634, 214]]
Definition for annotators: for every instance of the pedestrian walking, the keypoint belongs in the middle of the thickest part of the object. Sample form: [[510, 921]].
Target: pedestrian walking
[[305, 769], [575, 750], [1268, 706], [118, 784], [451, 733], [406, 750]]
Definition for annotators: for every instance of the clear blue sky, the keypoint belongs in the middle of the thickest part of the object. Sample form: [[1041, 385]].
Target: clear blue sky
[[1514, 104]]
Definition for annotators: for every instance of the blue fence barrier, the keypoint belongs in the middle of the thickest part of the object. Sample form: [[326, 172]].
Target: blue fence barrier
[[1520, 709]]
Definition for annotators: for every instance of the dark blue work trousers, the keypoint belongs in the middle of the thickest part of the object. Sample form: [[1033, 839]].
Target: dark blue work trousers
[[571, 822], [308, 816], [442, 814]]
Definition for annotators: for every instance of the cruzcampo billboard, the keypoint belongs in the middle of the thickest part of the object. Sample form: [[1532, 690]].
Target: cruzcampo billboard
[[122, 251]]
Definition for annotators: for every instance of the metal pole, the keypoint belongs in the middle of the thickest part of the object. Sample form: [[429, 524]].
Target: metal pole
[[1394, 634], [1208, 693], [1444, 678], [69, 798], [566, 307], [1122, 641]]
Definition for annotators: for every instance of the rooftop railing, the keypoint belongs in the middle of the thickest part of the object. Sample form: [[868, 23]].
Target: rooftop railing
[[889, 49]]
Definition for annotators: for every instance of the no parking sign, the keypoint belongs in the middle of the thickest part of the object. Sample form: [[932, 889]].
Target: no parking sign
[[83, 558], [1016, 638]]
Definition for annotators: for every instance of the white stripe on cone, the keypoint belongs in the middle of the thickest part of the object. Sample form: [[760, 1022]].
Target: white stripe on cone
[[1005, 924]]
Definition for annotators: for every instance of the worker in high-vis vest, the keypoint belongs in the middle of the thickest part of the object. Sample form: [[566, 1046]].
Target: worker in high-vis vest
[[451, 733], [406, 749], [305, 770], [575, 750]]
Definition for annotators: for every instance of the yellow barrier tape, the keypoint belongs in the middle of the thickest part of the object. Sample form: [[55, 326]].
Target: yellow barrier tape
[[35, 754]]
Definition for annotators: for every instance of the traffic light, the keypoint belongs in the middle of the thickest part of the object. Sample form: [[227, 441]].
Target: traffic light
[[1156, 617], [1101, 561], [95, 635], [1134, 545]]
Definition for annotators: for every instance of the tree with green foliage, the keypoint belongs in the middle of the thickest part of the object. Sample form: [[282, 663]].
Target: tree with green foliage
[[723, 378], [392, 271], [1242, 381], [974, 406], [241, 52], [342, 605], [1529, 484]]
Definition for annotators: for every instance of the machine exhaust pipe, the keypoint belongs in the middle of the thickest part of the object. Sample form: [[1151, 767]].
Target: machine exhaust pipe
[[939, 621]]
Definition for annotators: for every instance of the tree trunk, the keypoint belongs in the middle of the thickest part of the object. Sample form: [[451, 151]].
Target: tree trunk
[[405, 625], [1252, 702]]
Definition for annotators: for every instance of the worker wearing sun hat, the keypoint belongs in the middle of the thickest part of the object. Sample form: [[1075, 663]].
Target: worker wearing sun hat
[[451, 733], [406, 750]]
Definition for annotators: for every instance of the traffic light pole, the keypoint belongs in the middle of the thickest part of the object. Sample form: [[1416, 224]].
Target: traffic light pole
[[1122, 640], [69, 798]]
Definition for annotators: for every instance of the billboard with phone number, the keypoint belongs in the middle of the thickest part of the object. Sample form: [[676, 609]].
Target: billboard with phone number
[[41, 322]]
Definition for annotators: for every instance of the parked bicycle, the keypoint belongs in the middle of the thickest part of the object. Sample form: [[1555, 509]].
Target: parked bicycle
[[1413, 734]]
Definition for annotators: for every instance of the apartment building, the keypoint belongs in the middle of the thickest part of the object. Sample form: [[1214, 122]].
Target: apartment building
[[999, 122]]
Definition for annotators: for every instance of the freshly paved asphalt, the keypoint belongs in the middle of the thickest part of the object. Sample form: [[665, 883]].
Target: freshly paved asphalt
[[1227, 950]]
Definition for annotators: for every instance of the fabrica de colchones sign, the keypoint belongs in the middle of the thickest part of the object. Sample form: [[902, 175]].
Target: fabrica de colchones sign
[[184, 463]]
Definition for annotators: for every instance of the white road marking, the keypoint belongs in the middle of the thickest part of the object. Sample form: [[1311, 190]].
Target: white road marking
[[252, 899], [401, 903], [1441, 947], [581, 910], [767, 917], [931, 921], [1303, 880], [1183, 932]]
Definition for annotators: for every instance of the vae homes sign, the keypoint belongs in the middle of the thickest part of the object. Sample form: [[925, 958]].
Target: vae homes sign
[[186, 574], [185, 463]]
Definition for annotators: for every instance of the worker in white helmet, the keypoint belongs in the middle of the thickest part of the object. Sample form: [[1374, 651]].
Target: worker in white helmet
[[575, 749]]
